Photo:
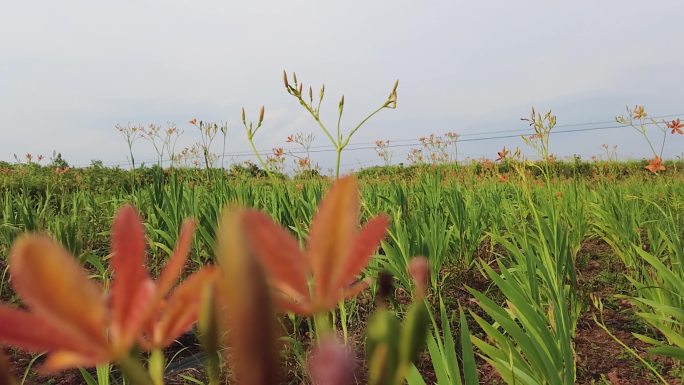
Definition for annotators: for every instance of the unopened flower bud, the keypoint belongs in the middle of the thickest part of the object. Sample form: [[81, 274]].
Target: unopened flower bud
[[331, 363], [419, 269], [385, 287], [246, 310], [261, 114]]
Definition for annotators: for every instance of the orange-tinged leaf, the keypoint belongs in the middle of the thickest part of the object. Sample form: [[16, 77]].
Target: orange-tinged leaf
[[354, 289], [182, 308], [61, 360], [332, 233], [364, 245], [287, 305], [174, 267], [278, 252], [26, 330], [57, 289], [142, 306], [128, 264]]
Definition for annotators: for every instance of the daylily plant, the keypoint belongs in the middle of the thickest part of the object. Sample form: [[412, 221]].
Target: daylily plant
[[71, 317], [636, 118], [79, 324], [315, 279], [655, 165], [676, 126], [503, 154], [252, 249]]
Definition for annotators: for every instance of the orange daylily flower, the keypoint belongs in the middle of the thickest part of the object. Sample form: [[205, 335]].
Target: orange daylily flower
[[165, 319], [60, 170], [67, 313], [639, 112], [487, 164], [503, 154], [176, 315], [69, 316], [676, 126], [303, 162], [655, 165], [335, 254]]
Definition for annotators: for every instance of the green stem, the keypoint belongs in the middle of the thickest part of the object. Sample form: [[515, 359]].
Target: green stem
[[456, 151], [213, 368], [337, 162], [130, 151], [662, 146], [315, 116], [223, 152], [361, 124], [343, 321], [206, 158], [643, 132], [134, 371], [156, 366], [259, 158], [339, 123], [322, 325]]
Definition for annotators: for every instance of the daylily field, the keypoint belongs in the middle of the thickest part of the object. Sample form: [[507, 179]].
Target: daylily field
[[502, 271]]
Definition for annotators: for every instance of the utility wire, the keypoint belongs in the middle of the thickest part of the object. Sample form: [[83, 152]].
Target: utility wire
[[402, 143], [469, 134], [415, 142]]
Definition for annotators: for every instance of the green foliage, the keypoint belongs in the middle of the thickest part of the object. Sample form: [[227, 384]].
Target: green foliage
[[443, 353], [524, 235], [392, 347]]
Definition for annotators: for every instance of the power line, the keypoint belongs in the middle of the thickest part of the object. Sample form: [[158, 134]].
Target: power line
[[416, 142], [402, 143], [469, 134]]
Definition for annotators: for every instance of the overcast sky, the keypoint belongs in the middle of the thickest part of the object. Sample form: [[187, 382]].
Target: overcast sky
[[71, 70]]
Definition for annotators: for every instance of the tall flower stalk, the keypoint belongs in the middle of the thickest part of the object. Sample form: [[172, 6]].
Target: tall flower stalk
[[313, 107], [638, 119], [251, 130]]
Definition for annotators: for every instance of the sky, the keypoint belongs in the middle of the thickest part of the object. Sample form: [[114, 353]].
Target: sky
[[70, 71]]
